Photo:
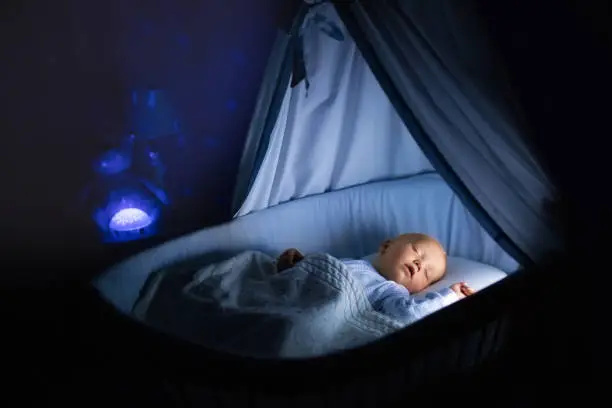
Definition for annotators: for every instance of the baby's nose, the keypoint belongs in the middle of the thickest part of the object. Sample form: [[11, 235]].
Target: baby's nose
[[412, 268]]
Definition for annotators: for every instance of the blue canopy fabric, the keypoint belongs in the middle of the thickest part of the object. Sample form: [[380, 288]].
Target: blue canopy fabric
[[441, 84]]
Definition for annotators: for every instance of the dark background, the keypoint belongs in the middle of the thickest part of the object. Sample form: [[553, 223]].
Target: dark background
[[68, 68]]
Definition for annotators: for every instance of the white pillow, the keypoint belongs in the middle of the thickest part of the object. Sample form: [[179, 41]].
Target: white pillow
[[477, 275]]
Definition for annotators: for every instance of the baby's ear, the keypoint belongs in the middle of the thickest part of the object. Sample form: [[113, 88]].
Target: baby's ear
[[384, 246]]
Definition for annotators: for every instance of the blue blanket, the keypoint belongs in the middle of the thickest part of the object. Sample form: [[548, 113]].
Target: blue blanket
[[242, 306]]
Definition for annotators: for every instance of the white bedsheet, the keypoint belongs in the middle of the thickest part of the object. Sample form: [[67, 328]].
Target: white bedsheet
[[345, 223]]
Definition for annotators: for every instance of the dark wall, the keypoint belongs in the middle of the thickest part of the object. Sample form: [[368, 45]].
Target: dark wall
[[67, 70], [558, 59]]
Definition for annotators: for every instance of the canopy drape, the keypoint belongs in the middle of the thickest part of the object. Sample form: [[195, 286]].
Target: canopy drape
[[435, 64]]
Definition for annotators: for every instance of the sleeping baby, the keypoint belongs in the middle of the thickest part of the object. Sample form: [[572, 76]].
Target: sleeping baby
[[404, 265]]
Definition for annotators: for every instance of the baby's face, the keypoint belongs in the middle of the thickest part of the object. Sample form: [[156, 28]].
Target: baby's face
[[413, 260]]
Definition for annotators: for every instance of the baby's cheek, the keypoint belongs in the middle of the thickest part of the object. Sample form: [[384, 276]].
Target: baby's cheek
[[421, 282]]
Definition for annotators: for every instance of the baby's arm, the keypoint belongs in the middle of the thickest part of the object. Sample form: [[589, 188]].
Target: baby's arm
[[397, 303]]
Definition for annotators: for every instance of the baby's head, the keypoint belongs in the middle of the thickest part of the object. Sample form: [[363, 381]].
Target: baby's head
[[413, 260]]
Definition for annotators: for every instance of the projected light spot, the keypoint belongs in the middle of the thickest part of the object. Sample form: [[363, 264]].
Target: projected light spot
[[130, 219]]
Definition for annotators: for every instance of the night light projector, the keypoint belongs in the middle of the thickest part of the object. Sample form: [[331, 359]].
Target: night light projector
[[125, 204], [130, 219], [126, 196], [131, 209]]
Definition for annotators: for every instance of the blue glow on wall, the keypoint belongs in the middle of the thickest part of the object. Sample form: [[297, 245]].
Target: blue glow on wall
[[127, 196], [69, 113], [125, 206], [157, 123]]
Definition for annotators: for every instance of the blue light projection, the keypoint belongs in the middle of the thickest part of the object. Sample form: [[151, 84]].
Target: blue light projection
[[125, 207], [127, 194], [187, 97]]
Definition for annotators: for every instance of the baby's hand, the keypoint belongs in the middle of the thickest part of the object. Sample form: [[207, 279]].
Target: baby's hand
[[288, 259], [462, 290]]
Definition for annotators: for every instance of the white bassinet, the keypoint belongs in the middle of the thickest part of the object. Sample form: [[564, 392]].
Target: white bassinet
[[345, 223]]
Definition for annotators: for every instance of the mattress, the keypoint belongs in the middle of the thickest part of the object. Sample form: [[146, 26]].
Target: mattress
[[346, 223]]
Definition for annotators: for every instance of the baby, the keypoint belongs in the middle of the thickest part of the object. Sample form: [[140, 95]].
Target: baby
[[404, 265]]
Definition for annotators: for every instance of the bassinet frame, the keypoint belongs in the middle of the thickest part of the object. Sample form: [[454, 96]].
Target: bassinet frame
[[476, 339]]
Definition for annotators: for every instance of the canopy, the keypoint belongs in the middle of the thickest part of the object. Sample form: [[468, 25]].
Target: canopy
[[366, 91]]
